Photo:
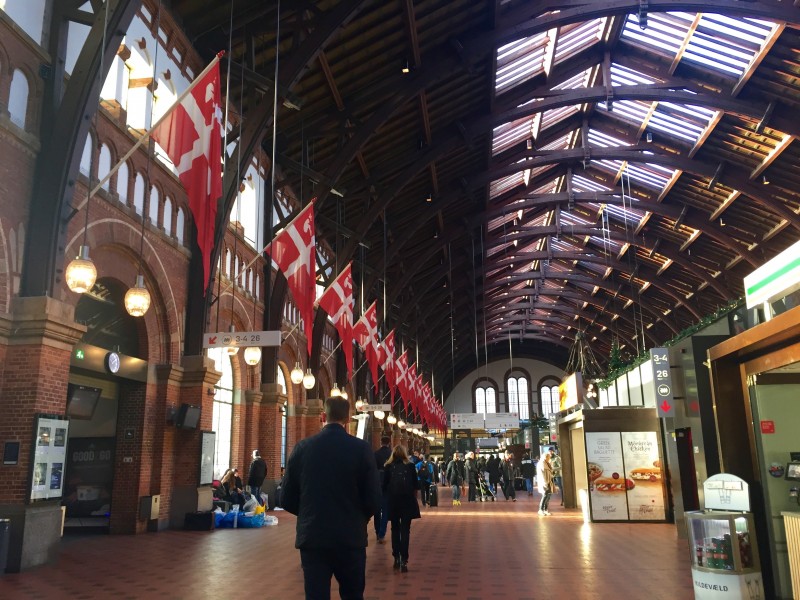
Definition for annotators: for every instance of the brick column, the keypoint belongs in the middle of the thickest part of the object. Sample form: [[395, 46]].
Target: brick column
[[251, 412], [40, 334], [314, 410], [269, 431], [166, 402], [197, 387], [375, 433]]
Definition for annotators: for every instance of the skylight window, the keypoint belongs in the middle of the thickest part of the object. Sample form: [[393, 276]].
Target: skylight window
[[625, 76], [519, 61], [665, 31], [579, 38]]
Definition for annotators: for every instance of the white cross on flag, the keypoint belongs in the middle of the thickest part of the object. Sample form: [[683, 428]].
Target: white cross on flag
[[338, 302], [191, 135], [401, 370], [294, 250], [411, 387], [366, 334], [389, 362]]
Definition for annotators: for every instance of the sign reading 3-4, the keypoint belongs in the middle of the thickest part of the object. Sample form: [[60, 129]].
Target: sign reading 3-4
[[662, 377], [243, 339]]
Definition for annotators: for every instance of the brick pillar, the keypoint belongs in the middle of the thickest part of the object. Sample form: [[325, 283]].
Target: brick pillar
[[40, 334], [197, 387], [251, 431], [314, 410], [168, 393], [376, 430], [269, 430]]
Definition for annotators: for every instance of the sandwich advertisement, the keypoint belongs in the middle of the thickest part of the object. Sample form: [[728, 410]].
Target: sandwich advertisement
[[606, 476], [643, 470], [625, 476]]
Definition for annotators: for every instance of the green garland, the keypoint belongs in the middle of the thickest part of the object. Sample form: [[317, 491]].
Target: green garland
[[617, 366]]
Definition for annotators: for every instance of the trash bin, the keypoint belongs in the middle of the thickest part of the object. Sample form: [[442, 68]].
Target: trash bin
[[5, 540]]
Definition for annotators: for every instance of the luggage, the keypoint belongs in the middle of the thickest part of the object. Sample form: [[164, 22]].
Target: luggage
[[199, 521], [519, 483], [433, 495]]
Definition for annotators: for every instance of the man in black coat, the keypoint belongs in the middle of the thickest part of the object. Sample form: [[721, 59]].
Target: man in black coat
[[331, 484], [381, 519], [257, 475]]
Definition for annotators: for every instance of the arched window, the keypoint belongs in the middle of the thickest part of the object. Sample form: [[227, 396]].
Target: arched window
[[517, 395], [228, 263], [122, 183], [257, 291], [86, 156], [168, 215], [223, 410], [154, 206], [18, 99], [138, 195], [485, 398], [281, 381], [180, 226], [104, 165], [548, 397]]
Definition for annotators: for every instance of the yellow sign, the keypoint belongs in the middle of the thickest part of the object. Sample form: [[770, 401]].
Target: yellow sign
[[570, 392]]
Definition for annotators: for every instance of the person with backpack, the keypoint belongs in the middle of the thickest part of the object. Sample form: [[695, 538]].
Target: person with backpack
[[256, 476], [400, 483], [425, 476], [471, 468]]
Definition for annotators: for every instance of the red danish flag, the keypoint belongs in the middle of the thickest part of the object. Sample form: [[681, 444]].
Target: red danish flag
[[338, 302], [366, 334], [191, 135], [401, 379], [388, 363], [411, 387], [294, 250]]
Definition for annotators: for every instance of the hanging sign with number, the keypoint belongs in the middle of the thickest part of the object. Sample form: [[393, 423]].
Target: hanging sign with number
[[242, 339], [662, 379]]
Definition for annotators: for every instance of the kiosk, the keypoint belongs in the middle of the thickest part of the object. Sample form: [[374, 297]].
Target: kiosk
[[725, 561]]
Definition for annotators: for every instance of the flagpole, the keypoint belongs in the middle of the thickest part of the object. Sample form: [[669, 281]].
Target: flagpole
[[148, 133]]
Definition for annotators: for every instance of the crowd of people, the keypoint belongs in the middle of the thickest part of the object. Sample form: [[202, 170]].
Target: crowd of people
[[335, 484]]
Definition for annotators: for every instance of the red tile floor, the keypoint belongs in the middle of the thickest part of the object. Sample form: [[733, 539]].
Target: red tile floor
[[475, 551]]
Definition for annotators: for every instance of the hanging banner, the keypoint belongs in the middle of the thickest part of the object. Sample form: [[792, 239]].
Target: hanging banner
[[466, 421], [606, 474], [508, 420], [644, 476]]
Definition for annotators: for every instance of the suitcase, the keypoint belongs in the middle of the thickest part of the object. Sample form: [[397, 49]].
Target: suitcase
[[519, 484], [433, 495], [199, 521]]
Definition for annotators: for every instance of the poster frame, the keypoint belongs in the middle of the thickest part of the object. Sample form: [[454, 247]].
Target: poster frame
[[207, 437], [37, 456]]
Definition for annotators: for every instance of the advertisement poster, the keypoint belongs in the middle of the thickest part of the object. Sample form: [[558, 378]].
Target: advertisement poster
[[644, 476], [89, 476], [606, 474], [47, 479]]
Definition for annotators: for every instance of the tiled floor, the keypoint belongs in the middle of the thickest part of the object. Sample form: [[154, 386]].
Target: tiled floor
[[475, 551]]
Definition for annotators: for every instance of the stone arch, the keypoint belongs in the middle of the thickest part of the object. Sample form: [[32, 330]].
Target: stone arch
[[477, 383]]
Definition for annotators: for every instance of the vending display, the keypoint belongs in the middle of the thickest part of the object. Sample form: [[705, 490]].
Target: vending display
[[724, 554]]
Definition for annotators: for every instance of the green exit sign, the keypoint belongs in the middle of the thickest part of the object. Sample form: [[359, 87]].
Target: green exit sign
[[79, 354]]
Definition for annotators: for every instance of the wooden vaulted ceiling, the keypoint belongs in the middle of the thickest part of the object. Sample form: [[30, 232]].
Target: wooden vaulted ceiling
[[542, 169]]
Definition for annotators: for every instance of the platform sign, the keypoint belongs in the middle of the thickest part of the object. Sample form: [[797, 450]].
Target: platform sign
[[374, 407], [507, 420], [466, 421], [662, 382], [243, 339]]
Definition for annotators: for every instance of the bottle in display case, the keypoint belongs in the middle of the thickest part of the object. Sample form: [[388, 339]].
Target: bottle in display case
[[724, 556]]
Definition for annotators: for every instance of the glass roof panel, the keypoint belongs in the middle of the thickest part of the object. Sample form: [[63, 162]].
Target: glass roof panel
[[621, 75], [665, 32], [572, 41], [726, 44], [519, 61], [509, 134]]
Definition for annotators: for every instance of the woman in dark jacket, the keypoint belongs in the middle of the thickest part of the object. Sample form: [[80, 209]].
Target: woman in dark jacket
[[493, 467], [400, 483]]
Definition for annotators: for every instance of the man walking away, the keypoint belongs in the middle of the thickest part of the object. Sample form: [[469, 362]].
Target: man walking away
[[381, 519], [425, 475], [332, 486], [256, 476], [508, 479], [455, 479], [528, 471]]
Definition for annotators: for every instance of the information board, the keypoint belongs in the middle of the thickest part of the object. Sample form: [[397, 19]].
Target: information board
[[507, 420], [208, 446], [466, 421], [606, 475], [644, 476], [49, 457]]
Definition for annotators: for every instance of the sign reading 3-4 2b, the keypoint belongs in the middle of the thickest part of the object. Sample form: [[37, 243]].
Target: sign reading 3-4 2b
[[662, 378], [242, 339]]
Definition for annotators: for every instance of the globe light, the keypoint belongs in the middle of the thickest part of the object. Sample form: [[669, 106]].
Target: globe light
[[343, 395], [297, 374], [81, 272], [232, 350], [379, 414], [359, 404], [431, 438], [335, 391], [309, 380], [252, 355], [401, 424], [391, 419], [137, 298]]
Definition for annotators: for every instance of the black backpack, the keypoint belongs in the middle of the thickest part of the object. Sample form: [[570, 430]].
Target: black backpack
[[400, 480], [424, 471]]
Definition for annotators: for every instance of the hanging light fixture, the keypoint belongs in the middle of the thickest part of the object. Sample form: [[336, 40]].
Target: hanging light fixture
[[343, 395], [359, 404], [401, 424], [137, 298], [379, 414], [81, 272], [391, 419], [309, 380], [297, 374], [335, 391], [252, 355], [234, 349]]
